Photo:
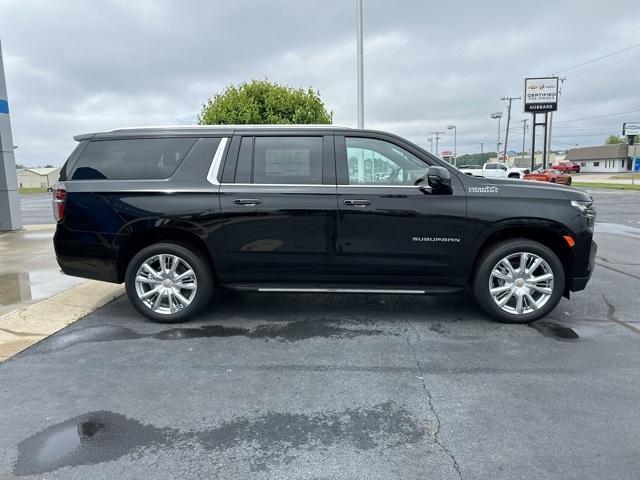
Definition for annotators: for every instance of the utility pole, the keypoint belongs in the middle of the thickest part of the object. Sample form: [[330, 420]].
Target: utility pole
[[10, 218], [506, 135], [524, 134], [497, 115], [437, 137], [360, 62], [482, 149], [455, 143]]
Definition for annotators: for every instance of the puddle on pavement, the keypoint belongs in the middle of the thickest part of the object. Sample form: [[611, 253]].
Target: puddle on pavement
[[283, 332], [88, 439], [23, 287], [104, 436], [555, 331]]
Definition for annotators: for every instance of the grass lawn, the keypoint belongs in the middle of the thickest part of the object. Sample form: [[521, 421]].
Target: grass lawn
[[29, 191], [610, 186]]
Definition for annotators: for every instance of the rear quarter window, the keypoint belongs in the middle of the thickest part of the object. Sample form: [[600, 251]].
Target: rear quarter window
[[131, 159]]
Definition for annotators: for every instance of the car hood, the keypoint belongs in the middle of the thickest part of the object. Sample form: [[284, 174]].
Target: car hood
[[571, 193]]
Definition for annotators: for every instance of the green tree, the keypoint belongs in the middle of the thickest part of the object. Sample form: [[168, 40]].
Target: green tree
[[264, 102], [613, 139]]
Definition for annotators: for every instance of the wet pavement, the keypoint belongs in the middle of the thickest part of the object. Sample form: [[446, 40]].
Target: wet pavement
[[29, 271], [341, 386], [36, 209]]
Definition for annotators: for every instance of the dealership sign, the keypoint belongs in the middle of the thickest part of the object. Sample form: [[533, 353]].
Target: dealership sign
[[631, 128], [541, 94]]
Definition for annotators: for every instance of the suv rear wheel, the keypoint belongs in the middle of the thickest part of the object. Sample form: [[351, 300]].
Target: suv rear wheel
[[168, 282], [518, 281]]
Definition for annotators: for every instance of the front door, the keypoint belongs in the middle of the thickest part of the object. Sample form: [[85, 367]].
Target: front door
[[279, 207], [389, 229]]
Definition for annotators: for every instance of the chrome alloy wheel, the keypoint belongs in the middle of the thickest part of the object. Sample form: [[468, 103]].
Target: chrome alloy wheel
[[521, 283], [166, 284]]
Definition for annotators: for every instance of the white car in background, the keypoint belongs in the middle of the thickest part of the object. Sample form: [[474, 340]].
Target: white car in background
[[494, 170]]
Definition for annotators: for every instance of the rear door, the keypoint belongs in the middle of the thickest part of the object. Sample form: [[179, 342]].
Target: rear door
[[388, 229], [278, 201]]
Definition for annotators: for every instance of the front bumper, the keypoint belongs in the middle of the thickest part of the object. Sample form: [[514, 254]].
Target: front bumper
[[580, 283]]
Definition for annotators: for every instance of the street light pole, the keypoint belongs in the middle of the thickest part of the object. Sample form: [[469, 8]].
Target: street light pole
[[497, 115], [455, 143], [524, 134], [360, 58], [430, 140], [437, 137]]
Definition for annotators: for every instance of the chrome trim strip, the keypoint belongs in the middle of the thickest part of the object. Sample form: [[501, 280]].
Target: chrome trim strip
[[306, 185], [340, 290], [212, 175], [380, 186]]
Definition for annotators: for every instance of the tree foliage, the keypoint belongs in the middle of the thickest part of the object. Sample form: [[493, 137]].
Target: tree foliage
[[613, 139], [264, 102]]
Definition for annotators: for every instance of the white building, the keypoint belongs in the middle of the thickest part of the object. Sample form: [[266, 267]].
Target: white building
[[604, 158], [38, 177]]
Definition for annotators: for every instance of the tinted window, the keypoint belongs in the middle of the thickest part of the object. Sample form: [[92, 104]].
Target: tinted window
[[141, 158], [285, 160], [491, 166], [376, 162]]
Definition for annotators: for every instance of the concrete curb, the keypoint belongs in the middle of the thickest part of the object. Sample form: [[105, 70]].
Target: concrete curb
[[28, 325]]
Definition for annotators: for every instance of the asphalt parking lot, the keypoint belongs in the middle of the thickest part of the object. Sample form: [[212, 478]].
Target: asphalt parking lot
[[341, 386], [36, 209]]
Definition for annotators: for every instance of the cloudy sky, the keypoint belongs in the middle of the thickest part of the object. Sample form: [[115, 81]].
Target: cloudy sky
[[81, 66]]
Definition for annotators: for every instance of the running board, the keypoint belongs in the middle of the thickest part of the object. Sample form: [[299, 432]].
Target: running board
[[444, 290]]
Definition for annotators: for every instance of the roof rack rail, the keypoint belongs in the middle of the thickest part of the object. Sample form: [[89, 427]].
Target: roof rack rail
[[227, 127]]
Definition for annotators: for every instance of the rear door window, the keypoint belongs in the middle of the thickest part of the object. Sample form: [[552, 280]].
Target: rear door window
[[132, 159], [280, 160]]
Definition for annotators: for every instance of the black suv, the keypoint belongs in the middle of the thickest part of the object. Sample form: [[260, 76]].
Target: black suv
[[176, 211]]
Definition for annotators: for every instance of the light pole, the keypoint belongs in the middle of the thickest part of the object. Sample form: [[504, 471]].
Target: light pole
[[455, 143], [430, 140], [524, 134], [437, 137], [497, 115], [360, 58]]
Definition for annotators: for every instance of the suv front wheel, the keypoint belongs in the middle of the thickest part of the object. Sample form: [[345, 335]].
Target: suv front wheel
[[168, 282], [518, 281]]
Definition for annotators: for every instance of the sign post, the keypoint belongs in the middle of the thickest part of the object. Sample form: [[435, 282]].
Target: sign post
[[540, 96], [9, 201]]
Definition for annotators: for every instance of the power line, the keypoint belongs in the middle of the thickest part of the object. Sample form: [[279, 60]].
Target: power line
[[597, 67], [597, 116], [597, 58]]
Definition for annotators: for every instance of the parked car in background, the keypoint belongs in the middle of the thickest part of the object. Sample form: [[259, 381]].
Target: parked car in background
[[567, 167], [494, 170], [550, 175]]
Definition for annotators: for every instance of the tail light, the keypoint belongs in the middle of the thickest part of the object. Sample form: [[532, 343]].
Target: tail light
[[59, 200]]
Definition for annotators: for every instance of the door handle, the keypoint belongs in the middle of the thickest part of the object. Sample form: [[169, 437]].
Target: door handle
[[358, 203], [249, 202]]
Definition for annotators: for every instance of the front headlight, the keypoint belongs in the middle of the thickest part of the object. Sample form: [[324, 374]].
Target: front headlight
[[586, 208]]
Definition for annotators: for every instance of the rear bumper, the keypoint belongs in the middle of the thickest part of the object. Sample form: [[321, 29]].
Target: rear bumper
[[87, 255], [580, 282]]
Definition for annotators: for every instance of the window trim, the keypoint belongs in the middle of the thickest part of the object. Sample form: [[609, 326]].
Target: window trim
[[216, 161]]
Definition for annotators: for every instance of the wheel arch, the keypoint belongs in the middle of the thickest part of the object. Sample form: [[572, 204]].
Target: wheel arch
[[143, 237], [547, 233]]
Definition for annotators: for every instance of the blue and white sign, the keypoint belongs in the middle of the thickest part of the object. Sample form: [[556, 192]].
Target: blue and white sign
[[4, 106], [636, 164]]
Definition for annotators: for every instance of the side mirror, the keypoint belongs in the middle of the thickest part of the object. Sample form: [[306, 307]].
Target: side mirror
[[439, 179]]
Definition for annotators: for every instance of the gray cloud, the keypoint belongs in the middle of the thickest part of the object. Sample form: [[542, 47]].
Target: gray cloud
[[78, 66]]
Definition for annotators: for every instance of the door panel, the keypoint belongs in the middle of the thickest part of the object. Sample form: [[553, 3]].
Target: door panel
[[392, 230], [281, 221]]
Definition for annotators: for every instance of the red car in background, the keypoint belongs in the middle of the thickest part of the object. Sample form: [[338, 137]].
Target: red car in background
[[566, 167], [551, 175]]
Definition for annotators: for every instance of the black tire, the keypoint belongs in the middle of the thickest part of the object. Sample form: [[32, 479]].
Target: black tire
[[514, 175], [197, 262], [490, 258], [569, 181]]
